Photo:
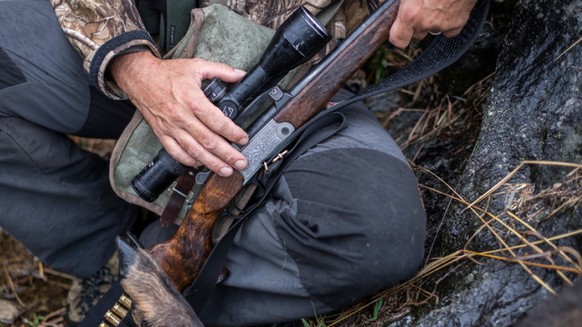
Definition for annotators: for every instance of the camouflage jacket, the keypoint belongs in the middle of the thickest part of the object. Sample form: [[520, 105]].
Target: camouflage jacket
[[101, 29]]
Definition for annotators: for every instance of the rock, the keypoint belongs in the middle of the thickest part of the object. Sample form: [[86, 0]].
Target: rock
[[9, 312], [533, 112]]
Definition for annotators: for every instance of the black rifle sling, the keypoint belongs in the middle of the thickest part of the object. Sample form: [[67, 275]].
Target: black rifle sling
[[441, 53]]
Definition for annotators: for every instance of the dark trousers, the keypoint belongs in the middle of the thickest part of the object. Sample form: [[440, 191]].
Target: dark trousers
[[54, 197]]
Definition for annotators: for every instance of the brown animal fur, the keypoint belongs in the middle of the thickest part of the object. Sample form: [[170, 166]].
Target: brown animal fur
[[155, 300]]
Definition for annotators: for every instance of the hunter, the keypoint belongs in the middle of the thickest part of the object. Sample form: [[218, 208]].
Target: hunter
[[344, 221]]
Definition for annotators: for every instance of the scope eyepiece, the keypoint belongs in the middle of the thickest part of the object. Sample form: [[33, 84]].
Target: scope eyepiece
[[157, 176]]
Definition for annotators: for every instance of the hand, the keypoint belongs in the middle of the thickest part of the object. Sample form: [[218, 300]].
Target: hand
[[418, 17], [169, 96]]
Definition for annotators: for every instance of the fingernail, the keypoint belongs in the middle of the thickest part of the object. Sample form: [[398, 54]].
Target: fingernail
[[243, 140], [240, 164], [240, 71], [225, 171]]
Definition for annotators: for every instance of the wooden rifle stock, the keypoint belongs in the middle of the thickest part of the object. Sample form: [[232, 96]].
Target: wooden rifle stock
[[185, 253]]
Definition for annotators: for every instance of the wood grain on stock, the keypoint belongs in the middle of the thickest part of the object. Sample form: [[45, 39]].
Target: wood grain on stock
[[183, 256], [185, 253]]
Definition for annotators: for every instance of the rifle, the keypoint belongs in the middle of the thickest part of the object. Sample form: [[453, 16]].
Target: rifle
[[184, 255]]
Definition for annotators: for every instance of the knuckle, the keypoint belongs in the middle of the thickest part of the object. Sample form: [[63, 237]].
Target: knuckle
[[199, 108], [195, 152], [196, 108], [224, 125], [187, 160], [411, 14], [209, 144], [428, 25]]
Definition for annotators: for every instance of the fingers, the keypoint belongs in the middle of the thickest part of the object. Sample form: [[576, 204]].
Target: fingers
[[178, 153], [207, 142], [452, 32], [201, 134], [209, 70], [215, 120], [401, 33], [207, 149], [416, 18], [190, 127], [201, 137]]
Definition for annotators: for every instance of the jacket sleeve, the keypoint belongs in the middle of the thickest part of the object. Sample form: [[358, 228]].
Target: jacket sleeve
[[99, 30]]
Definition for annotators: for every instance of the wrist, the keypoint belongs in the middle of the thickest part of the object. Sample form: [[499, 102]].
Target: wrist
[[127, 68]]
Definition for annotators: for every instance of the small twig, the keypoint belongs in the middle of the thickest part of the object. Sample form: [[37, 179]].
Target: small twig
[[514, 171], [568, 49], [58, 273], [54, 319], [11, 283]]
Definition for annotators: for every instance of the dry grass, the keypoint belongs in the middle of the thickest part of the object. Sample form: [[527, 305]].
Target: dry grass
[[36, 291], [102, 147], [516, 222], [447, 116]]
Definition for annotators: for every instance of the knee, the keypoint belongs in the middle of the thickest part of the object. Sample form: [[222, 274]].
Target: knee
[[359, 228]]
